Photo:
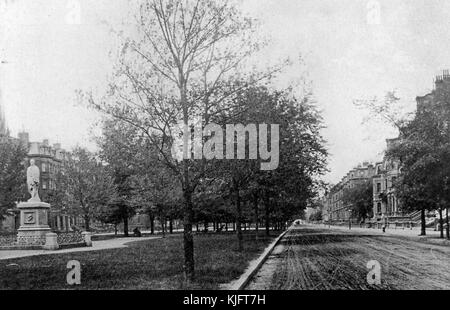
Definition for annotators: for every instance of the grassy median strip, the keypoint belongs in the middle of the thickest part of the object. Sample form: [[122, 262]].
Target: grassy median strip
[[150, 264]]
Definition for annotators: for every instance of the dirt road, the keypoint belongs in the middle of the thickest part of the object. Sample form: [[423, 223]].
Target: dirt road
[[310, 258]]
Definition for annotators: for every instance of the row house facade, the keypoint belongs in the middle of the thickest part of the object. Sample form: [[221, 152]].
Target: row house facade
[[386, 205], [335, 207], [385, 201]]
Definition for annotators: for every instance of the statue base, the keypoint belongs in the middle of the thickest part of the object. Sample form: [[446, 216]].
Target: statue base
[[34, 226]]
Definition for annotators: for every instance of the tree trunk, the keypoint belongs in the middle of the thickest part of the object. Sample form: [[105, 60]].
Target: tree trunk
[[115, 229], [226, 226], [238, 218], [205, 224], [441, 224], [423, 230], [125, 225], [448, 227], [188, 239], [152, 224], [255, 207], [170, 226], [87, 222], [266, 208], [162, 221]]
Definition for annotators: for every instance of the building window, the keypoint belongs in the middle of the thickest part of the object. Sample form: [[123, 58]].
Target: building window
[[378, 187], [44, 185], [379, 207], [44, 167]]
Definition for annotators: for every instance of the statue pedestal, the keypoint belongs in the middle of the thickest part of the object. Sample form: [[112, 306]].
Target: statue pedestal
[[33, 223]]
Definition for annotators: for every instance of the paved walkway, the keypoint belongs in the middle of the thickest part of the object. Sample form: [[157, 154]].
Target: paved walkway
[[96, 246], [148, 232]]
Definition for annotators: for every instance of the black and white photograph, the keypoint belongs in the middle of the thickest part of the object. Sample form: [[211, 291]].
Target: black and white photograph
[[241, 147]]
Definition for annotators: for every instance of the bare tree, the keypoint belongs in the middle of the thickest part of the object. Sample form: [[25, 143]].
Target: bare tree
[[388, 110], [187, 60]]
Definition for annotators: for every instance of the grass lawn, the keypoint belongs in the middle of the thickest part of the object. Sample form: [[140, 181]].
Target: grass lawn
[[152, 264]]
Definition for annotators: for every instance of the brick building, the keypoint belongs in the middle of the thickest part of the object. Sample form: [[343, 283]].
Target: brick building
[[334, 207]]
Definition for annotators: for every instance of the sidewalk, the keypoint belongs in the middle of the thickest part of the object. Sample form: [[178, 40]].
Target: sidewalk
[[96, 246], [147, 232], [431, 237]]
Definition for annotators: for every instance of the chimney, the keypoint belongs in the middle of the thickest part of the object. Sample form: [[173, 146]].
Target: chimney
[[443, 81]]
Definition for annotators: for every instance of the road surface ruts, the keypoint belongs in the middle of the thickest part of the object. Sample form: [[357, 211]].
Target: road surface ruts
[[310, 258]]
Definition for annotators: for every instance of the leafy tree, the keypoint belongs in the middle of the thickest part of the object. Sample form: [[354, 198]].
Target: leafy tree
[[359, 199], [424, 151], [302, 156], [158, 192], [12, 174], [109, 214], [89, 184], [285, 189], [125, 151], [316, 216]]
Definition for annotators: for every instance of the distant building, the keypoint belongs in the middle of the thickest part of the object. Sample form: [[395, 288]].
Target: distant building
[[335, 208], [384, 174], [441, 85], [385, 201]]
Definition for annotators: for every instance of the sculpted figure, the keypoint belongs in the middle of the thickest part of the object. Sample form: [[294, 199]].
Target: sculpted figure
[[33, 181]]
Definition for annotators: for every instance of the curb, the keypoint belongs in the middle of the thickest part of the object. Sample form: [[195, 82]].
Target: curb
[[245, 278]]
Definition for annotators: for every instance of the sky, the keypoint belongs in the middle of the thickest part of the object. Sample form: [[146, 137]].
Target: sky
[[350, 48]]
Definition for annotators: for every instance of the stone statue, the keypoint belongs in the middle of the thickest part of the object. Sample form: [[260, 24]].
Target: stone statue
[[33, 181]]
